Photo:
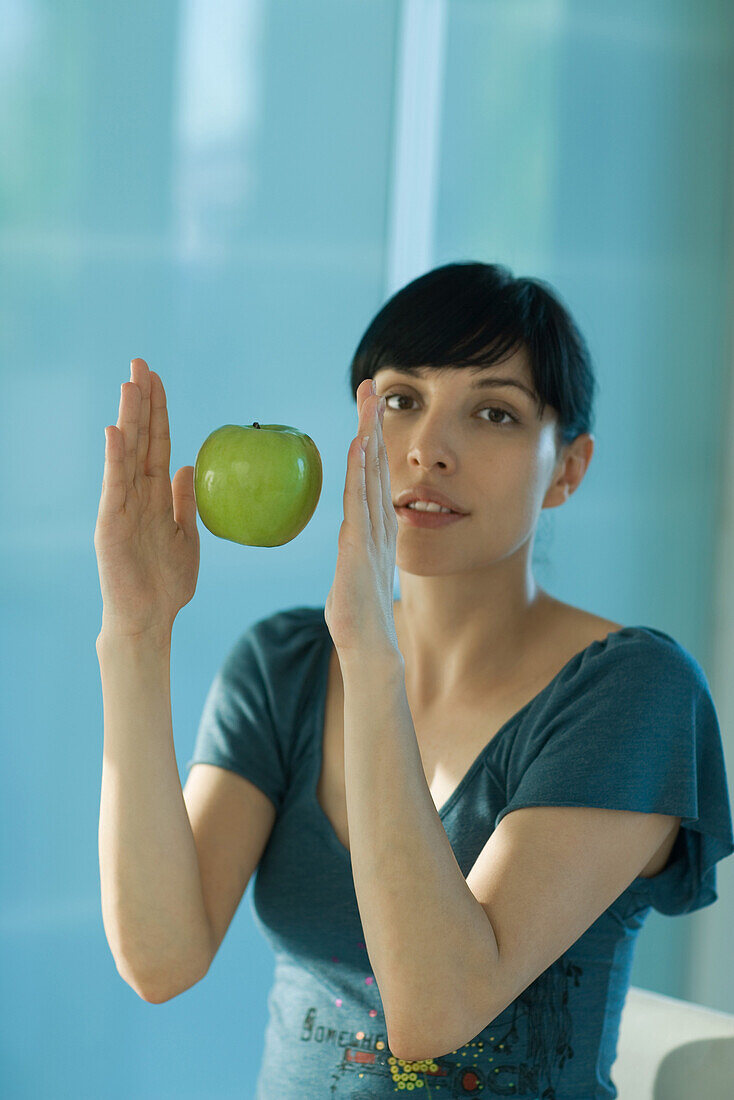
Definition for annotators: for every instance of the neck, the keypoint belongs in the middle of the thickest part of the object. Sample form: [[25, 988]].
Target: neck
[[466, 635]]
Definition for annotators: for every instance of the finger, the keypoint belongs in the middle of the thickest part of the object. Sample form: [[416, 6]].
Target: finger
[[388, 509], [159, 453], [127, 422], [364, 390], [372, 468], [113, 480], [356, 511], [140, 375]]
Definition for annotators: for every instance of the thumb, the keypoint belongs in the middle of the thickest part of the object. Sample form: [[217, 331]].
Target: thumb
[[184, 501]]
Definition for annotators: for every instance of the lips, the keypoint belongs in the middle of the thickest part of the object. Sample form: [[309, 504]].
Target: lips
[[431, 520], [419, 492], [431, 512]]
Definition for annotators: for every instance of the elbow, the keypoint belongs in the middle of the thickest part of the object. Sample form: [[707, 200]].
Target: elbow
[[425, 1050], [450, 1032], [152, 993], [424, 1046], [155, 997], [157, 992], [420, 1052]]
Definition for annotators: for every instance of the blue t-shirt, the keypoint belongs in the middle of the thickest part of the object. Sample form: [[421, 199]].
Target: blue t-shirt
[[628, 724]]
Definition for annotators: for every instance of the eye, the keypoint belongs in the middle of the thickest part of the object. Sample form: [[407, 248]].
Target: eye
[[487, 408], [495, 408]]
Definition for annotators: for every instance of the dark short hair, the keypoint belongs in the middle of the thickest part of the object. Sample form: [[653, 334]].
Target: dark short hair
[[474, 315]]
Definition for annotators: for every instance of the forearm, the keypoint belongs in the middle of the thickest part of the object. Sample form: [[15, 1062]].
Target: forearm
[[152, 902], [424, 929]]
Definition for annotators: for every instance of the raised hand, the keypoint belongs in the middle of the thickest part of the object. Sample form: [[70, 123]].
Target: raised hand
[[146, 538], [359, 607]]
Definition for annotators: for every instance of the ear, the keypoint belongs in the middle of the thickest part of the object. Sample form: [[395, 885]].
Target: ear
[[568, 473]]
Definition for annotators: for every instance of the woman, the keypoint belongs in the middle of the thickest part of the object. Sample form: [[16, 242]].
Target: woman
[[461, 804]]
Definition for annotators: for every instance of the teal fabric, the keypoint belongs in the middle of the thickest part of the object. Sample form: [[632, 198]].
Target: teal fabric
[[628, 723]]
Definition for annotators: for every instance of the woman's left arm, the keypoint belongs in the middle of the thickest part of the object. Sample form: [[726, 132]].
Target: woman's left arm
[[430, 942]]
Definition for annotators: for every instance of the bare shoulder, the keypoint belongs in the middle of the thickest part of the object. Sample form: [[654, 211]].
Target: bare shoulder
[[580, 627], [598, 627], [563, 631]]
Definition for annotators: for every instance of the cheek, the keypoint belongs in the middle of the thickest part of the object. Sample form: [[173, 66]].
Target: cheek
[[513, 495], [515, 473]]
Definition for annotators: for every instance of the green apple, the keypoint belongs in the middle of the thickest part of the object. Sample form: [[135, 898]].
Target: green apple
[[257, 484]]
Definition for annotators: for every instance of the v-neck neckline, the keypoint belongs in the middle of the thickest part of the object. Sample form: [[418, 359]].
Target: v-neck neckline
[[448, 804]]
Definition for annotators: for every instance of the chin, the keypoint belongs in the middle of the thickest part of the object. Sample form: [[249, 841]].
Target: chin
[[431, 565]]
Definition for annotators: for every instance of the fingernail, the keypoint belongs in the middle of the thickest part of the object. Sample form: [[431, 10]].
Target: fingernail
[[374, 387]]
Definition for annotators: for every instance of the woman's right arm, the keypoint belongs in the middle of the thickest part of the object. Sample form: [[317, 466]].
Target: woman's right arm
[[147, 547], [152, 900]]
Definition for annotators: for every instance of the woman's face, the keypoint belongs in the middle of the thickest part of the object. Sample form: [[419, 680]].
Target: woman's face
[[485, 448]]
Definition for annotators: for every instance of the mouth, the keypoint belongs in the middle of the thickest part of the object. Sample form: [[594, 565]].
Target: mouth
[[430, 520]]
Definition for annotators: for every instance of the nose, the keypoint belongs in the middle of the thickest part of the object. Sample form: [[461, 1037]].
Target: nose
[[429, 448]]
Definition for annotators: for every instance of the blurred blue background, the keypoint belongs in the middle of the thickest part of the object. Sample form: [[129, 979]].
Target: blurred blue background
[[231, 190]]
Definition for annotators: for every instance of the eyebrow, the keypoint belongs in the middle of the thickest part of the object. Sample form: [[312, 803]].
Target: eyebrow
[[479, 384]]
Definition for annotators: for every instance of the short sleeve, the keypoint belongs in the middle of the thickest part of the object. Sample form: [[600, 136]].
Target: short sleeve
[[247, 723], [632, 726]]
